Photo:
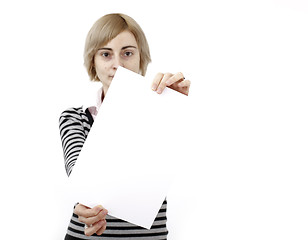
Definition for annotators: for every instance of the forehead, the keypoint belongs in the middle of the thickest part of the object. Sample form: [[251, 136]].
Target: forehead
[[125, 38]]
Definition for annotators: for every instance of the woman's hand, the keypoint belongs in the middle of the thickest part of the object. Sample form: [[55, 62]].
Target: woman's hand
[[94, 218], [174, 81]]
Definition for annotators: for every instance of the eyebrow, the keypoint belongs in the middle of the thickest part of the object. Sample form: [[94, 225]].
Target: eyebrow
[[123, 48]]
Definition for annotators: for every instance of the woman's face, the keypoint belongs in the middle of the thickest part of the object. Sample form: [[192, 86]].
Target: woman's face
[[121, 51]]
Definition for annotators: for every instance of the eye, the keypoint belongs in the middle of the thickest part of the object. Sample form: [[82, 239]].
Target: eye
[[128, 54], [105, 54]]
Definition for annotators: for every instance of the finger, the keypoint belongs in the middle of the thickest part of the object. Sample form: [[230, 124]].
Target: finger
[[162, 85], [83, 211], [102, 229], [182, 87], [94, 228], [156, 81], [185, 83], [175, 78], [91, 220]]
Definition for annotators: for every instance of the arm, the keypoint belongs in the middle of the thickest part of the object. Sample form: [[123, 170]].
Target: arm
[[73, 135], [74, 127]]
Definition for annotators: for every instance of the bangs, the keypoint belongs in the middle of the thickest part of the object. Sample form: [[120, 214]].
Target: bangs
[[113, 26]]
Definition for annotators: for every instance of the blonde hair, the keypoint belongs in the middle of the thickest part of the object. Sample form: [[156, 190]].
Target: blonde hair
[[107, 28]]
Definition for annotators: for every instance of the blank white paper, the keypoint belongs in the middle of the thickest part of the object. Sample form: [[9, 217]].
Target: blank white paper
[[127, 161]]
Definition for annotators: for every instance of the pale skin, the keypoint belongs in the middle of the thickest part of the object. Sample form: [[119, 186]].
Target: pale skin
[[122, 51]]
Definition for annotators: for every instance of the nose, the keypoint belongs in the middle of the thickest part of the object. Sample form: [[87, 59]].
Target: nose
[[117, 62]]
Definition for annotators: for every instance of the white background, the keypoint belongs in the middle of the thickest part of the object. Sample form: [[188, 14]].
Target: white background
[[247, 60]]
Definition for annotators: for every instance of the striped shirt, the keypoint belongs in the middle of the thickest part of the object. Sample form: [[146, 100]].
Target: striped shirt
[[75, 125]]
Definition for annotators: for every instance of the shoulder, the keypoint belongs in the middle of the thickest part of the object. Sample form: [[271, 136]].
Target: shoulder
[[72, 113], [76, 116]]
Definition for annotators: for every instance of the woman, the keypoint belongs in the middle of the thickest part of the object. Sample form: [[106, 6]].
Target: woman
[[114, 40]]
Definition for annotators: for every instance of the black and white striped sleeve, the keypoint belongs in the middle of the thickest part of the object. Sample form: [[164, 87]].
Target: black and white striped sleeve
[[74, 127]]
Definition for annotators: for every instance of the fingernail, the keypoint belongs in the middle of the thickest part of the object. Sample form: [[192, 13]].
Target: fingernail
[[99, 208], [159, 90], [154, 87]]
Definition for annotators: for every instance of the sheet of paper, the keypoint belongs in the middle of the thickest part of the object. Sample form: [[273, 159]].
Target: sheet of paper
[[127, 161]]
